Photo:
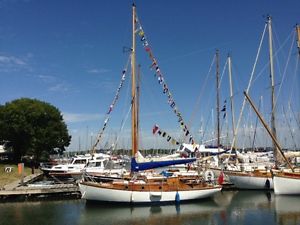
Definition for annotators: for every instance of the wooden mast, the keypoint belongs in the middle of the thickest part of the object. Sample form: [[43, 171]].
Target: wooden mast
[[138, 89], [231, 98], [133, 90], [218, 99], [273, 127]]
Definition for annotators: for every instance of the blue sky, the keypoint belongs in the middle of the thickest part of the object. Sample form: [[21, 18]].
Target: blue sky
[[69, 53]]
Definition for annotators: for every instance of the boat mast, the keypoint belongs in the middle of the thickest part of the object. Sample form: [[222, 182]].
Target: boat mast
[[231, 97], [133, 89], [138, 89], [273, 127], [298, 38], [218, 99]]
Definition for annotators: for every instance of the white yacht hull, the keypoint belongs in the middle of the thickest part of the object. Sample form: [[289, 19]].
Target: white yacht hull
[[127, 196], [284, 185], [247, 181]]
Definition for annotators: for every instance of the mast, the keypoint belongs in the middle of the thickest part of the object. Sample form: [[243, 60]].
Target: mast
[[298, 38], [138, 102], [231, 97], [133, 90], [218, 99], [273, 127]]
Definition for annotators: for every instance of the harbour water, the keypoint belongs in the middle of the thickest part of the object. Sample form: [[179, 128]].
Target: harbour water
[[227, 207]]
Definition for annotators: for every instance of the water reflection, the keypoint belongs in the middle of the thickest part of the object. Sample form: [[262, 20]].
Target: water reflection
[[190, 213], [227, 207], [44, 212], [252, 207], [287, 210]]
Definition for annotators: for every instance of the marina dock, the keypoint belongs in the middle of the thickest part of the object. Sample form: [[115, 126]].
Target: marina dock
[[27, 188]]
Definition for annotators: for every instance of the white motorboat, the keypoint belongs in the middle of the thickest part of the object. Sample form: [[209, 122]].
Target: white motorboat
[[74, 167]]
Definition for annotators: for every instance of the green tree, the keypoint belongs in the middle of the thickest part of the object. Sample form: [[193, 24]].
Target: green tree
[[33, 127]]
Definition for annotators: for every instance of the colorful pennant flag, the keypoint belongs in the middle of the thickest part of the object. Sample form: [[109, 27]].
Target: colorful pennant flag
[[224, 109], [157, 130], [111, 107], [161, 80]]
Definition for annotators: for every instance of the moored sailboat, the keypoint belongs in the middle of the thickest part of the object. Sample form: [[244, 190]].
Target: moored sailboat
[[259, 178], [147, 187], [288, 182]]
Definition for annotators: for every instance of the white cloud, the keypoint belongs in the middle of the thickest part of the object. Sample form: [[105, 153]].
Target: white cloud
[[11, 60], [12, 63], [47, 78], [81, 117], [54, 83], [98, 71], [59, 88]]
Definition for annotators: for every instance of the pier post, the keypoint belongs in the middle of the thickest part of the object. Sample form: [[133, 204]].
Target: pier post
[[21, 172]]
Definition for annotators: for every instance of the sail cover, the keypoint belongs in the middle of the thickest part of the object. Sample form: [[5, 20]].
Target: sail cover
[[139, 166]]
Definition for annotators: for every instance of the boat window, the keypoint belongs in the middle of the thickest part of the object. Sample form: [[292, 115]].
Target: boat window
[[92, 164], [79, 161]]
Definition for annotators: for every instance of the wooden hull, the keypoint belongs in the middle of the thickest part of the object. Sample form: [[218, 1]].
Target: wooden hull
[[287, 183], [251, 180], [143, 193]]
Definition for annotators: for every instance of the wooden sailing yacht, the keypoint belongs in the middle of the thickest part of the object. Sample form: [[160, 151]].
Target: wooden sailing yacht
[[259, 178], [146, 187]]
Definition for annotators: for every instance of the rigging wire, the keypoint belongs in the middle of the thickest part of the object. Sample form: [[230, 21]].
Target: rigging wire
[[196, 107], [205, 127], [116, 97], [268, 63], [223, 72], [122, 127], [249, 85], [285, 68], [295, 77], [256, 124], [295, 116], [289, 126]]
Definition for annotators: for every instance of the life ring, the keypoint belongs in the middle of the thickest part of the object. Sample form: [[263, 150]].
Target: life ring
[[209, 176]]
